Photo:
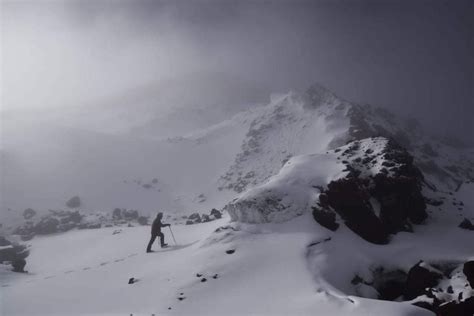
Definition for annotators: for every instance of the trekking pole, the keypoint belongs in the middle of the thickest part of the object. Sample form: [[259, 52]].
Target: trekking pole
[[173, 236]]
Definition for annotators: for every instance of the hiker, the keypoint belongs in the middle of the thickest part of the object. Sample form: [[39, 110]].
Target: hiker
[[156, 231]]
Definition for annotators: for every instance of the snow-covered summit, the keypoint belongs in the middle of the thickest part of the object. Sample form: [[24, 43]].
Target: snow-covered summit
[[317, 120], [371, 184]]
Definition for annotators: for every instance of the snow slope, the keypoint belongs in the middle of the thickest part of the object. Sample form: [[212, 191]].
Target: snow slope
[[46, 160], [86, 273], [287, 264]]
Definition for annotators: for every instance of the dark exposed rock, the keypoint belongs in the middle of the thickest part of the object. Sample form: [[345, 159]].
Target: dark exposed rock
[[325, 218], [420, 277], [29, 213], [71, 217], [216, 213], [230, 251], [397, 192], [205, 218], [117, 214], [142, 220], [195, 217], [73, 202], [466, 224], [19, 265], [130, 214], [14, 254], [390, 284], [47, 225], [350, 200], [453, 308], [89, 226], [468, 270], [188, 222]]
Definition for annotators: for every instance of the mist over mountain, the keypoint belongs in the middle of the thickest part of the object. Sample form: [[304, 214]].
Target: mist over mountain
[[288, 158]]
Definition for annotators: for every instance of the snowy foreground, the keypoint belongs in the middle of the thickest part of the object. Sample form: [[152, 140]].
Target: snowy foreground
[[272, 271]]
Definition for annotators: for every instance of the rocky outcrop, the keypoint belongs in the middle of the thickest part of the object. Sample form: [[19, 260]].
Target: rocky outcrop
[[325, 218], [14, 254], [420, 277], [381, 192], [197, 218], [437, 287], [468, 270]]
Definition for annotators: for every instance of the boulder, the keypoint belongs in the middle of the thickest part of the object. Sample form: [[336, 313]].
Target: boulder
[[142, 220], [216, 213], [130, 214], [19, 265], [325, 218], [117, 214], [195, 217], [15, 254], [73, 202], [29, 213], [468, 270], [205, 218], [47, 225], [420, 277]]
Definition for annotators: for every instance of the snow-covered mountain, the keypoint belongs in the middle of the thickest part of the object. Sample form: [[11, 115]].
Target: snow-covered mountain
[[327, 200]]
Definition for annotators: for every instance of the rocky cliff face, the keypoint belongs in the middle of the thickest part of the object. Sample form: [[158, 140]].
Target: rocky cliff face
[[371, 185], [381, 192]]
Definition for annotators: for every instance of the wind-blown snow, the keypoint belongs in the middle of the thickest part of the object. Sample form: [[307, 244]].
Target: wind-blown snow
[[86, 272]]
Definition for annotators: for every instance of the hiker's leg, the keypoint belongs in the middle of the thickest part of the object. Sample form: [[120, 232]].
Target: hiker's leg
[[152, 240], [162, 239]]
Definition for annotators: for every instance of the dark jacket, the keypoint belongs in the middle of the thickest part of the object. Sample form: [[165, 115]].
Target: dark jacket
[[156, 226]]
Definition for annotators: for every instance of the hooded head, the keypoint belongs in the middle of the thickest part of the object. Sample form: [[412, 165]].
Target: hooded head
[[159, 215]]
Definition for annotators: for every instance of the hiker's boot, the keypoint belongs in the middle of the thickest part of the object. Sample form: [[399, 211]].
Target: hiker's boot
[[164, 245]]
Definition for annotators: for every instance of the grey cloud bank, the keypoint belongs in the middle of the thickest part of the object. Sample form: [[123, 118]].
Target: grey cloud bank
[[414, 57]]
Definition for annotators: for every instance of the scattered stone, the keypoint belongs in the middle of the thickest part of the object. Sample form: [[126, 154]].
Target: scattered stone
[[230, 251], [131, 280], [203, 280]]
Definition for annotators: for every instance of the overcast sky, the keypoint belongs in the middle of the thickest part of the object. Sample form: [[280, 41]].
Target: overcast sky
[[415, 57]]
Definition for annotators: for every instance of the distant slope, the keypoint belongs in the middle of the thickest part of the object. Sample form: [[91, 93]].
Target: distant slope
[[46, 161]]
